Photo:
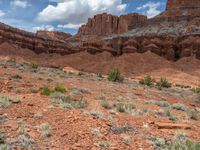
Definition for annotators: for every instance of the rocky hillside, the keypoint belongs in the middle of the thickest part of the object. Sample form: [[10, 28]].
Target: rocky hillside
[[34, 42], [173, 34], [59, 36]]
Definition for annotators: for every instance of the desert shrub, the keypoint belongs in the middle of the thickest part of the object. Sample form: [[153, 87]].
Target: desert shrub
[[96, 114], [46, 91], [163, 83], [2, 138], [126, 139], [179, 106], [34, 65], [126, 128], [148, 81], [159, 143], [115, 75], [105, 104], [121, 107], [194, 114], [11, 62], [184, 145], [167, 112], [6, 101], [45, 129], [69, 102], [60, 88], [197, 89], [16, 76], [103, 144]]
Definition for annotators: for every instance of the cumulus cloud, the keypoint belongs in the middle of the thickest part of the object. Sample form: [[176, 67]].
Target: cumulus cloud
[[1, 13], [69, 26], [19, 3], [44, 28], [75, 12], [150, 9]]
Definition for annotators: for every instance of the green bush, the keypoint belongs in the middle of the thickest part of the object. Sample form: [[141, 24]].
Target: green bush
[[60, 88], [105, 104], [46, 91], [115, 76], [163, 83], [34, 65], [148, 81], [196, 90]]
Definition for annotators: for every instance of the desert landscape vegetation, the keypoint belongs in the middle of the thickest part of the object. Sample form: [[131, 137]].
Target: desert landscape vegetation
[[122, 82]]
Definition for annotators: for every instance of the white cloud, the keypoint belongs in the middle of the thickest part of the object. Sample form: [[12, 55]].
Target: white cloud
[[1, 13], [44, 28], [70, 26], [150, 9], [19, 3], [74, 12]]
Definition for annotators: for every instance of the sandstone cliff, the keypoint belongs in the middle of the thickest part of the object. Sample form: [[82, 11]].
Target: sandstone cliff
[[107, 24]]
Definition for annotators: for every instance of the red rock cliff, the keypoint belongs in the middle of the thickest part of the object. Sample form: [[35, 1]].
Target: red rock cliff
[[55, 35], [107, 24], [182, 4]]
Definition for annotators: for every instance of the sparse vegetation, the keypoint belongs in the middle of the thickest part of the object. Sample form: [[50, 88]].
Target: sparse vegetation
[[45, 129], [46, 91], [96, 131], [34, 65], [96, 114], [184, 145], [159, 103], [103, 144], [6, 101], [60, 88], [121, 107], [115, 75], [163, 83], [194, 114], [148, 81], [105, 104], [179, 106], [69, 102], [126, 139], [2, 138], [126, 128], [16, 76], [196, 90]]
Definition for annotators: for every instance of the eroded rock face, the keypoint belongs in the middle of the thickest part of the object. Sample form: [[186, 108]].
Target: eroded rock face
[[182, 4], [32, 41], [54, 35], [168, 47], [107, 24]]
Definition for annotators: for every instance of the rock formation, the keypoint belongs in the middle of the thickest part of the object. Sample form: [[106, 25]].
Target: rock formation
[[107, 24], [54, 35], [173, 34], [32, 41]]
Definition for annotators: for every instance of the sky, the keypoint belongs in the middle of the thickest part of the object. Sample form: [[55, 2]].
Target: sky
[[69, 15]]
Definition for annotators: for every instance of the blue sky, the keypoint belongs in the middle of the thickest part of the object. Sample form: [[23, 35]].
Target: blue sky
[[68, 15]]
